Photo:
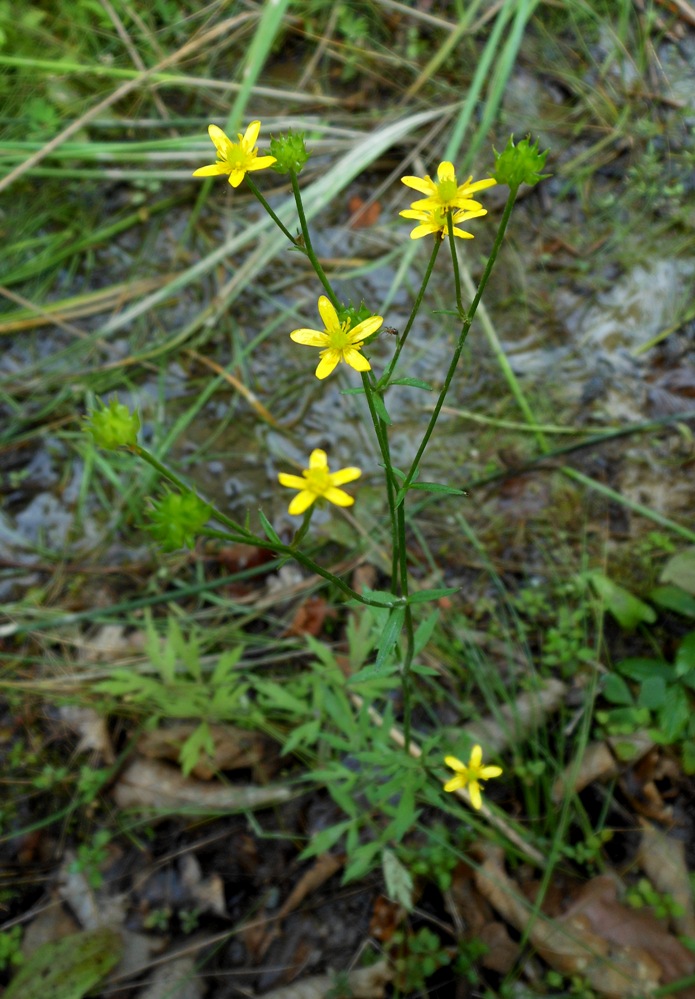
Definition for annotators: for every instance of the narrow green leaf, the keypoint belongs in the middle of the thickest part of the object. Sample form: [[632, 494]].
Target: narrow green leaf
[[413, 383], [422, 596], [616, 690], [268, 528], [380, 408], [680, 570], [390, 635], [437, 487], [685, 655]]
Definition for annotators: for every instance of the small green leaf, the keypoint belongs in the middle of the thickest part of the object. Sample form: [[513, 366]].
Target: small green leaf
[[673, 598], [437, 487], [380, 408], [424, 631], [390, 635], [199, 743], [616, 690], [325, 839], [413, 383], [680, 570], [270, 532], [398, 881], [627, 609], [642, 669], [685, 655], [422, 596], [652, 694], [675, 713], [67, 968]]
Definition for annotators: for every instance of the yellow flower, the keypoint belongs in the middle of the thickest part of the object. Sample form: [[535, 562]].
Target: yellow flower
[[446, 192], [340, 343], [316, 482], [433, 220], [235, 158], [469, 775]]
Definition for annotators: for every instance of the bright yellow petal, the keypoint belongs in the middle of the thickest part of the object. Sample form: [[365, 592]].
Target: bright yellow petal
[[221, 142], [424, 230], [356, 359], [328, 313], [479, 185], [476, 798], [424, 185], [310, 338], [445, 171], [261, 162], [455, 783], [251, 134], [476, 757], [462, 233], [455, 764], [291, 481], [365, 329], [301, 502], [236, 176], [318, 459], [211, 171], [338, 497], [344, 475], [329, 360], [487, 773]]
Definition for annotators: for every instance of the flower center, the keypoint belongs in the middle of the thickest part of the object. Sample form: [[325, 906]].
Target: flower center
[[446, 189], [318, 480], [339, 336], [238, 158]]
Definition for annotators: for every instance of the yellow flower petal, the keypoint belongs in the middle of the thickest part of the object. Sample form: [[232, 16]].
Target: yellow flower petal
[[476, 757], [355, 359], [301, 502], [476, 798], [291, 481], [310, 338], [328, 363], [345, 475], [339, 497], [251, 134], [328, 313], [210, 171]]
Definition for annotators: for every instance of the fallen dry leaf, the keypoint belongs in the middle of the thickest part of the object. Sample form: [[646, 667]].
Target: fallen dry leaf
[[148, 784], [177, 979], [363, 213], [621, 952], [235, 748], [363, 983], [310, 616], [602, 761], [91, 728], [514, 723]]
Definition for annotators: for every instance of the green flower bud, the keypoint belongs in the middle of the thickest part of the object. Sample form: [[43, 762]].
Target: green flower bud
[[289, 151], [114, 426], [520, 164], [177, 518]]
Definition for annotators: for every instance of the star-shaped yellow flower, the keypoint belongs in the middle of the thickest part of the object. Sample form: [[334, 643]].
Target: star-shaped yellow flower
[[316, 482], [469, 775], [446, 192], [339, 342], [235, 158], [433, 220]]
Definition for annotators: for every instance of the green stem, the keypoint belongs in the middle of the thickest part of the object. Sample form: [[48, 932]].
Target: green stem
[[386, 377], [455, 265], [461, 341], [383, 441], [308, 246], [281, 225]]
